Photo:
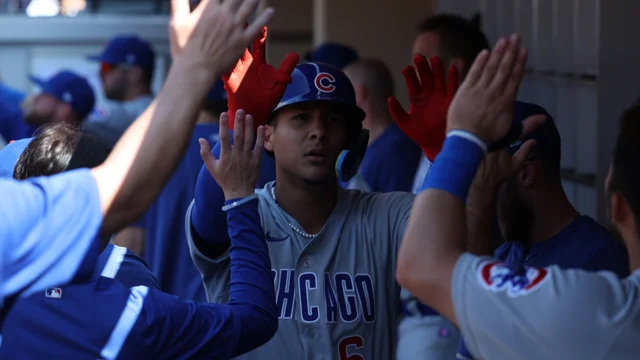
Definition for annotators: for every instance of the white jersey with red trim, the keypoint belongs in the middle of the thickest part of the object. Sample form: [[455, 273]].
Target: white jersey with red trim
[[546, 313]]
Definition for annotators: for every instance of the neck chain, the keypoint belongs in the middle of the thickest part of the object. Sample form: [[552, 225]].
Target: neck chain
[[293, 227]]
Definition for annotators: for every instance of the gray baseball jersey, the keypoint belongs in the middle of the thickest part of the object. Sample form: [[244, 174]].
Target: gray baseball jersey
[[337, 295], [111, 121], [545, 313]]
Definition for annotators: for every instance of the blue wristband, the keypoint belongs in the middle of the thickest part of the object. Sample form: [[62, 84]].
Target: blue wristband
[[456, 165]]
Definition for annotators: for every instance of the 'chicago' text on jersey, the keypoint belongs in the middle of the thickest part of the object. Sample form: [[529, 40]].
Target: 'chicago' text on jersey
[[345, 297]]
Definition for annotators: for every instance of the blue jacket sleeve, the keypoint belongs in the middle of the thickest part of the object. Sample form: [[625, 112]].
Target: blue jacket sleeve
[[207, 218], [185, 329]]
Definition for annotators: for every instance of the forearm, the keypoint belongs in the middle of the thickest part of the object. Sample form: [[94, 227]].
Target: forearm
[[207, 218], [480, 219], [251, 290], [150, 149]]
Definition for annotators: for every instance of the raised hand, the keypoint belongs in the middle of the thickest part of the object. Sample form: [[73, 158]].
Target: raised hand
[[238, 167], [429, 97], [254, 85], [215, 33], [496, 167], [484, 103]]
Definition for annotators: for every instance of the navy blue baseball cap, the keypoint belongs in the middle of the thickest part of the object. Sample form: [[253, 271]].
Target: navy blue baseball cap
[[335, 54], [217, 93], [69, 88], [127, 50], [9, 156], [546, 135]]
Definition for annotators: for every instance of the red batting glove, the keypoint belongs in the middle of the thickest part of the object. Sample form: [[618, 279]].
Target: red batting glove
[[426, 122], [255, 86]]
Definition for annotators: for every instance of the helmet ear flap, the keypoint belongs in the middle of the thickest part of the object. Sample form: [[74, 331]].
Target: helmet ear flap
[[350, 159]]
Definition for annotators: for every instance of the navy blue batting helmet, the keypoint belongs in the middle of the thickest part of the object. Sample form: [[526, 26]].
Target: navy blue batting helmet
[[321, 82]]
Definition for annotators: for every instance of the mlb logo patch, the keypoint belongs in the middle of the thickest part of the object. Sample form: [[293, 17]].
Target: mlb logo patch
[[54, 293]]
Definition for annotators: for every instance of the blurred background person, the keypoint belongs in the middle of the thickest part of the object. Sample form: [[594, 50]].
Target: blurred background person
[[127, 65], [423, 333], [392, 158], [66, 97], [160, 236]]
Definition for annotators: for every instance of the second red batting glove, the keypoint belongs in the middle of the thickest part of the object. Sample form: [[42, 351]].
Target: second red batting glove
[[255, 86], [429, 97]]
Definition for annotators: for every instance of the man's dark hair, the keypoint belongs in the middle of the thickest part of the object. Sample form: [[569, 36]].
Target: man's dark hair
[[459, 37], [625, 175], [58, 148]]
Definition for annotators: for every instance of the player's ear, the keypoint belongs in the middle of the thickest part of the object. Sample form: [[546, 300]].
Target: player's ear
[[268, 138], [527, 174], [620, 212], [361, 93]]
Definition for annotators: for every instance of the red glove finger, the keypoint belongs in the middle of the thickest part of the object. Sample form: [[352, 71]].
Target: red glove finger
[[438, 75], [397, 112], [259, 48], [424, 70], [289, 63], [453, 82], [269, 76], [411, 79], [245, 58]]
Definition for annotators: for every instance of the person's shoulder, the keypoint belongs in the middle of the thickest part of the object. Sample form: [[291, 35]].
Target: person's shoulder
[[379, 203], [596, 232]]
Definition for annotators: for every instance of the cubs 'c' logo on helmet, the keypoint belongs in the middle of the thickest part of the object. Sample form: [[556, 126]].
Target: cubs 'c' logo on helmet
[[495, 276], [324, 82]]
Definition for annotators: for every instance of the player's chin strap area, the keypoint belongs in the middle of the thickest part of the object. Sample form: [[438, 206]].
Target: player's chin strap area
[[349, 160]]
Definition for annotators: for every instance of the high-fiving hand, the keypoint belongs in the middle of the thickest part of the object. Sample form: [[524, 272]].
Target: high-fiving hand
[[238, 168], [256, 86], [497, 166], [484, 103], [216, 32], [429, 96]]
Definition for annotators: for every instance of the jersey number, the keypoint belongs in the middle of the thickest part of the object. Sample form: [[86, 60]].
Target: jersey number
[[356, 342]]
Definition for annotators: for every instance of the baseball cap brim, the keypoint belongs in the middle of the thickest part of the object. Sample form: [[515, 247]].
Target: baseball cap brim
[[44, 86], [9, 156]]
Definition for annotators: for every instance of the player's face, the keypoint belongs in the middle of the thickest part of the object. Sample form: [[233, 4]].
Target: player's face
[[427, 45], [514, 213], [114, 83], [43, 111], [307, 140]]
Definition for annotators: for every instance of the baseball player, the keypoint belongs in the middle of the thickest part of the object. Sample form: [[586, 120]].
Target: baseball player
[[127, 65], [40, 248], [540, 226], [503, 312], [392, 158], [122, 319], [332, 250], [457, 41], [64, 97]]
